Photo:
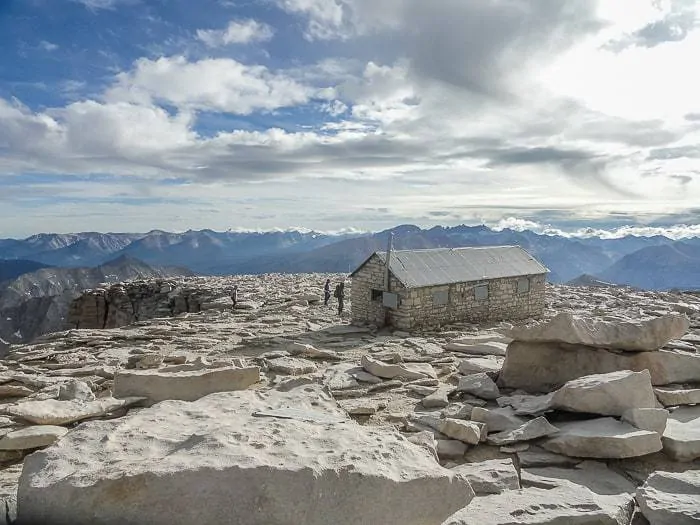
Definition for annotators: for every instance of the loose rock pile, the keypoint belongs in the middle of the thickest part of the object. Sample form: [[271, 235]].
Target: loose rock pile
[[279, 412]]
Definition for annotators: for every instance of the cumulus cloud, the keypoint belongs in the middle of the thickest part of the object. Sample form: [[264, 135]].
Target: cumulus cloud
[[325, 17], [438, 107], [680, 18], [220, 84], [237, 32]]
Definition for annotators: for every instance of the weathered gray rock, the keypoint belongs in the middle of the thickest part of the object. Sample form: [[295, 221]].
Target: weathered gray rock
[[673, 395], [490, 365], [537, 457], [186, 386], [293, 366], [642, 335], [422, 390], [310, 352], [257, 457], [9, 478], [537, 428], [490, 477], [681, 438], [365, 377], [485, 348], [564, 505], [614, 490], [497, 419], [602, 438], [340, 377], [75, 389], [466, 431], [362, 407], [426, 440], [438, 399], [31, 437], [458, 411], [544, 367], [671, 498], [14, 391], [56, 412], [593, 475], [479, 385], [653, 419], [527, 405], [404, 370], [608, 394], [148, 360], [451, 449], [290, 383], [483, 337]]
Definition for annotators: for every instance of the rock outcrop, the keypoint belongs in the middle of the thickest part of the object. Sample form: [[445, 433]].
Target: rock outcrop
[[671, 498], [604, 438], [255, 458], [156, 385], [624, 334], [569, 504], [543, 367]]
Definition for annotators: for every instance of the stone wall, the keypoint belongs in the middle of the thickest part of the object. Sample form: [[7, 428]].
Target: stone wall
[[503, 303], [370, 277], [417, 308]]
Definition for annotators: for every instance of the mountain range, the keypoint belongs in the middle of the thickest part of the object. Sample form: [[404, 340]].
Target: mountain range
[[655, 262]]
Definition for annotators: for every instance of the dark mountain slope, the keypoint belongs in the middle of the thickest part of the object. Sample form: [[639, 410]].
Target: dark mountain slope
[[12, 268], [658, 267]]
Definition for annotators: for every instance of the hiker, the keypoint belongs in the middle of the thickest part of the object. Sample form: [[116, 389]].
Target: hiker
[[234, 296], [340, 295], [327, 292]]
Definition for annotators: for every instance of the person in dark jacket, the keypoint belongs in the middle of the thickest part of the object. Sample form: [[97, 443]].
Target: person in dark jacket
[[340, 295], [327, 292]]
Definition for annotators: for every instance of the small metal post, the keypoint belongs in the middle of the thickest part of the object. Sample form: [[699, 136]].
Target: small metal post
[[387, 279]]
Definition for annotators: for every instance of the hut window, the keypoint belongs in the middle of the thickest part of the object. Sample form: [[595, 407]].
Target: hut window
[[481, 292], [523, 285], [377, 295], [440, 298]]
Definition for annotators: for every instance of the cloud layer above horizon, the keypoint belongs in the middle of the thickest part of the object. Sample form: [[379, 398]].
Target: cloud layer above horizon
[[131, 115]]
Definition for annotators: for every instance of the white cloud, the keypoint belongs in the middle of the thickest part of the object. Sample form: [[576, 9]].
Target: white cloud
[[675, 232], [48, 46], [449, 111], [325, 17], [103, 4], [237, 32], [221, 84], [517, 224]]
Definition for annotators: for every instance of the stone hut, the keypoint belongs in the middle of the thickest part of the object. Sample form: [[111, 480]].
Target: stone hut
[[443, 285]]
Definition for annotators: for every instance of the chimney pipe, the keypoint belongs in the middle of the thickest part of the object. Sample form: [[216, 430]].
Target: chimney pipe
[[387, 280]]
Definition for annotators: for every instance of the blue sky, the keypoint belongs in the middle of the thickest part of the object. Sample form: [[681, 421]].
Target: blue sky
[[332, 114]]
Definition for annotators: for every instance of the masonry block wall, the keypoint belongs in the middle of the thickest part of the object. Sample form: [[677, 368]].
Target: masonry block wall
[[370, 277], [503, 302], [418, 306]]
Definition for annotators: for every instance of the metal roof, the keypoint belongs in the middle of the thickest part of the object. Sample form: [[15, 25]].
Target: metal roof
[[418, 268]]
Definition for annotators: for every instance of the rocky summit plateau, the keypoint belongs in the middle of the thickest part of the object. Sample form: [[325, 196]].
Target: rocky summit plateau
[[167, 405]]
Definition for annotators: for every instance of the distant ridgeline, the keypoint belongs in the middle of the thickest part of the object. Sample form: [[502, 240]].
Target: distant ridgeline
[[645, 262]]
